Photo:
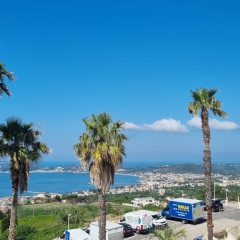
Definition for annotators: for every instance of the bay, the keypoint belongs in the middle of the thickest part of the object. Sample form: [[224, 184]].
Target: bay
[[55, 182]]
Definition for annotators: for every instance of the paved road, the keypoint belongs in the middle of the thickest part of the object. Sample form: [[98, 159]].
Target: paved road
[[229, 217]]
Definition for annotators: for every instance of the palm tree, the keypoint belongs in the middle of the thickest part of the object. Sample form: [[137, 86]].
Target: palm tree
[[101, 150], [20, 143], [168, 233], [204, 99], [5, 73]]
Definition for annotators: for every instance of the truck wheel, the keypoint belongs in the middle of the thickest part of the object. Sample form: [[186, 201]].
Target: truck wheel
[[184, 221]]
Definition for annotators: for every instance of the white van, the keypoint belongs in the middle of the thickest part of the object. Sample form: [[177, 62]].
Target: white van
[[140, 222], [157, 219]]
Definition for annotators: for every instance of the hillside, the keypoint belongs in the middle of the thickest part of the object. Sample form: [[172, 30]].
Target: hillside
[[223, 169]]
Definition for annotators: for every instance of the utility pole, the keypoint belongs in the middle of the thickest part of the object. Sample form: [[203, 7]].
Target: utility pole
[[226, 201], [214, 189], [68, 220]]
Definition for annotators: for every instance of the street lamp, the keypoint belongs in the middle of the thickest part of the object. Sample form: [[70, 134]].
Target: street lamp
[[68, 220]]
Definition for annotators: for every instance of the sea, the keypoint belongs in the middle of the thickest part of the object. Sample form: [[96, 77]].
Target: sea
[[57, 182], [60, 182], [66, 182]]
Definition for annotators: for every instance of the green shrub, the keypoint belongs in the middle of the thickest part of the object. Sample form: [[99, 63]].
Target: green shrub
[[47, 234], [152, 207], [2, 215], [23, 231], [58, 198], [5, 235], [28, 202], [5, 224]]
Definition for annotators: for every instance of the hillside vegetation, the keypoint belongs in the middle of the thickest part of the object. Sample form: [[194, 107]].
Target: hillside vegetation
[[47, 221], [223, 169]]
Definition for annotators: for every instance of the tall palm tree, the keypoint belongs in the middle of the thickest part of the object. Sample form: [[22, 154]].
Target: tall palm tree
[[5, 73], [20, 143], [205, 100], [101, 150], [168, 233]]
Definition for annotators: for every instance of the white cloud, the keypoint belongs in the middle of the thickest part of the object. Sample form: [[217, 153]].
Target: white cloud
[[195, 122], [168, 125], [214, 124], [129, 125], [223, 125]]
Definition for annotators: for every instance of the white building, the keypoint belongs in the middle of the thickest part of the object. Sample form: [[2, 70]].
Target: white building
[[43, 195], [144, 201], [161, 191]]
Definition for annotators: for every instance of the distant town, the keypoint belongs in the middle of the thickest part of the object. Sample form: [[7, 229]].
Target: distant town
[[158, 178]]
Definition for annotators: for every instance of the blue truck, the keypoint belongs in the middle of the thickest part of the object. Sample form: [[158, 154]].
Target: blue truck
[[188, 210]]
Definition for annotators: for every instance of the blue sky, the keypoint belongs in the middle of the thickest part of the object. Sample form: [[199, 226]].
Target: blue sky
[[136, 60]]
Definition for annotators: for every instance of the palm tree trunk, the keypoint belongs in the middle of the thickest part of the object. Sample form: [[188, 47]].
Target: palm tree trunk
[[207, 171], [208, 192], [102, 214], [13, 218]]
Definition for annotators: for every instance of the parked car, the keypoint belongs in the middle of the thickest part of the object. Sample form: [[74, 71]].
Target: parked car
[[199, 237], [216, 205], [127, 229], [86, 229]]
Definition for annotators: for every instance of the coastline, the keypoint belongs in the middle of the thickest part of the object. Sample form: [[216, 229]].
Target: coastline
[[61, 182]]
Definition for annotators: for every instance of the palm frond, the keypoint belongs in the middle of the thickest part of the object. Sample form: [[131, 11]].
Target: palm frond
[[193, 108], [20, 142], [101, 148], [5, 73], [24, 175], [205, 99], [212, 92], [4, 89], [217, 108], [168, 233]]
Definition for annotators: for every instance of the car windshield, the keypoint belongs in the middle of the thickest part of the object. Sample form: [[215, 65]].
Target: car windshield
[[127, 226], [156, 217], [198, 238], [124, 224], [215, 201]]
